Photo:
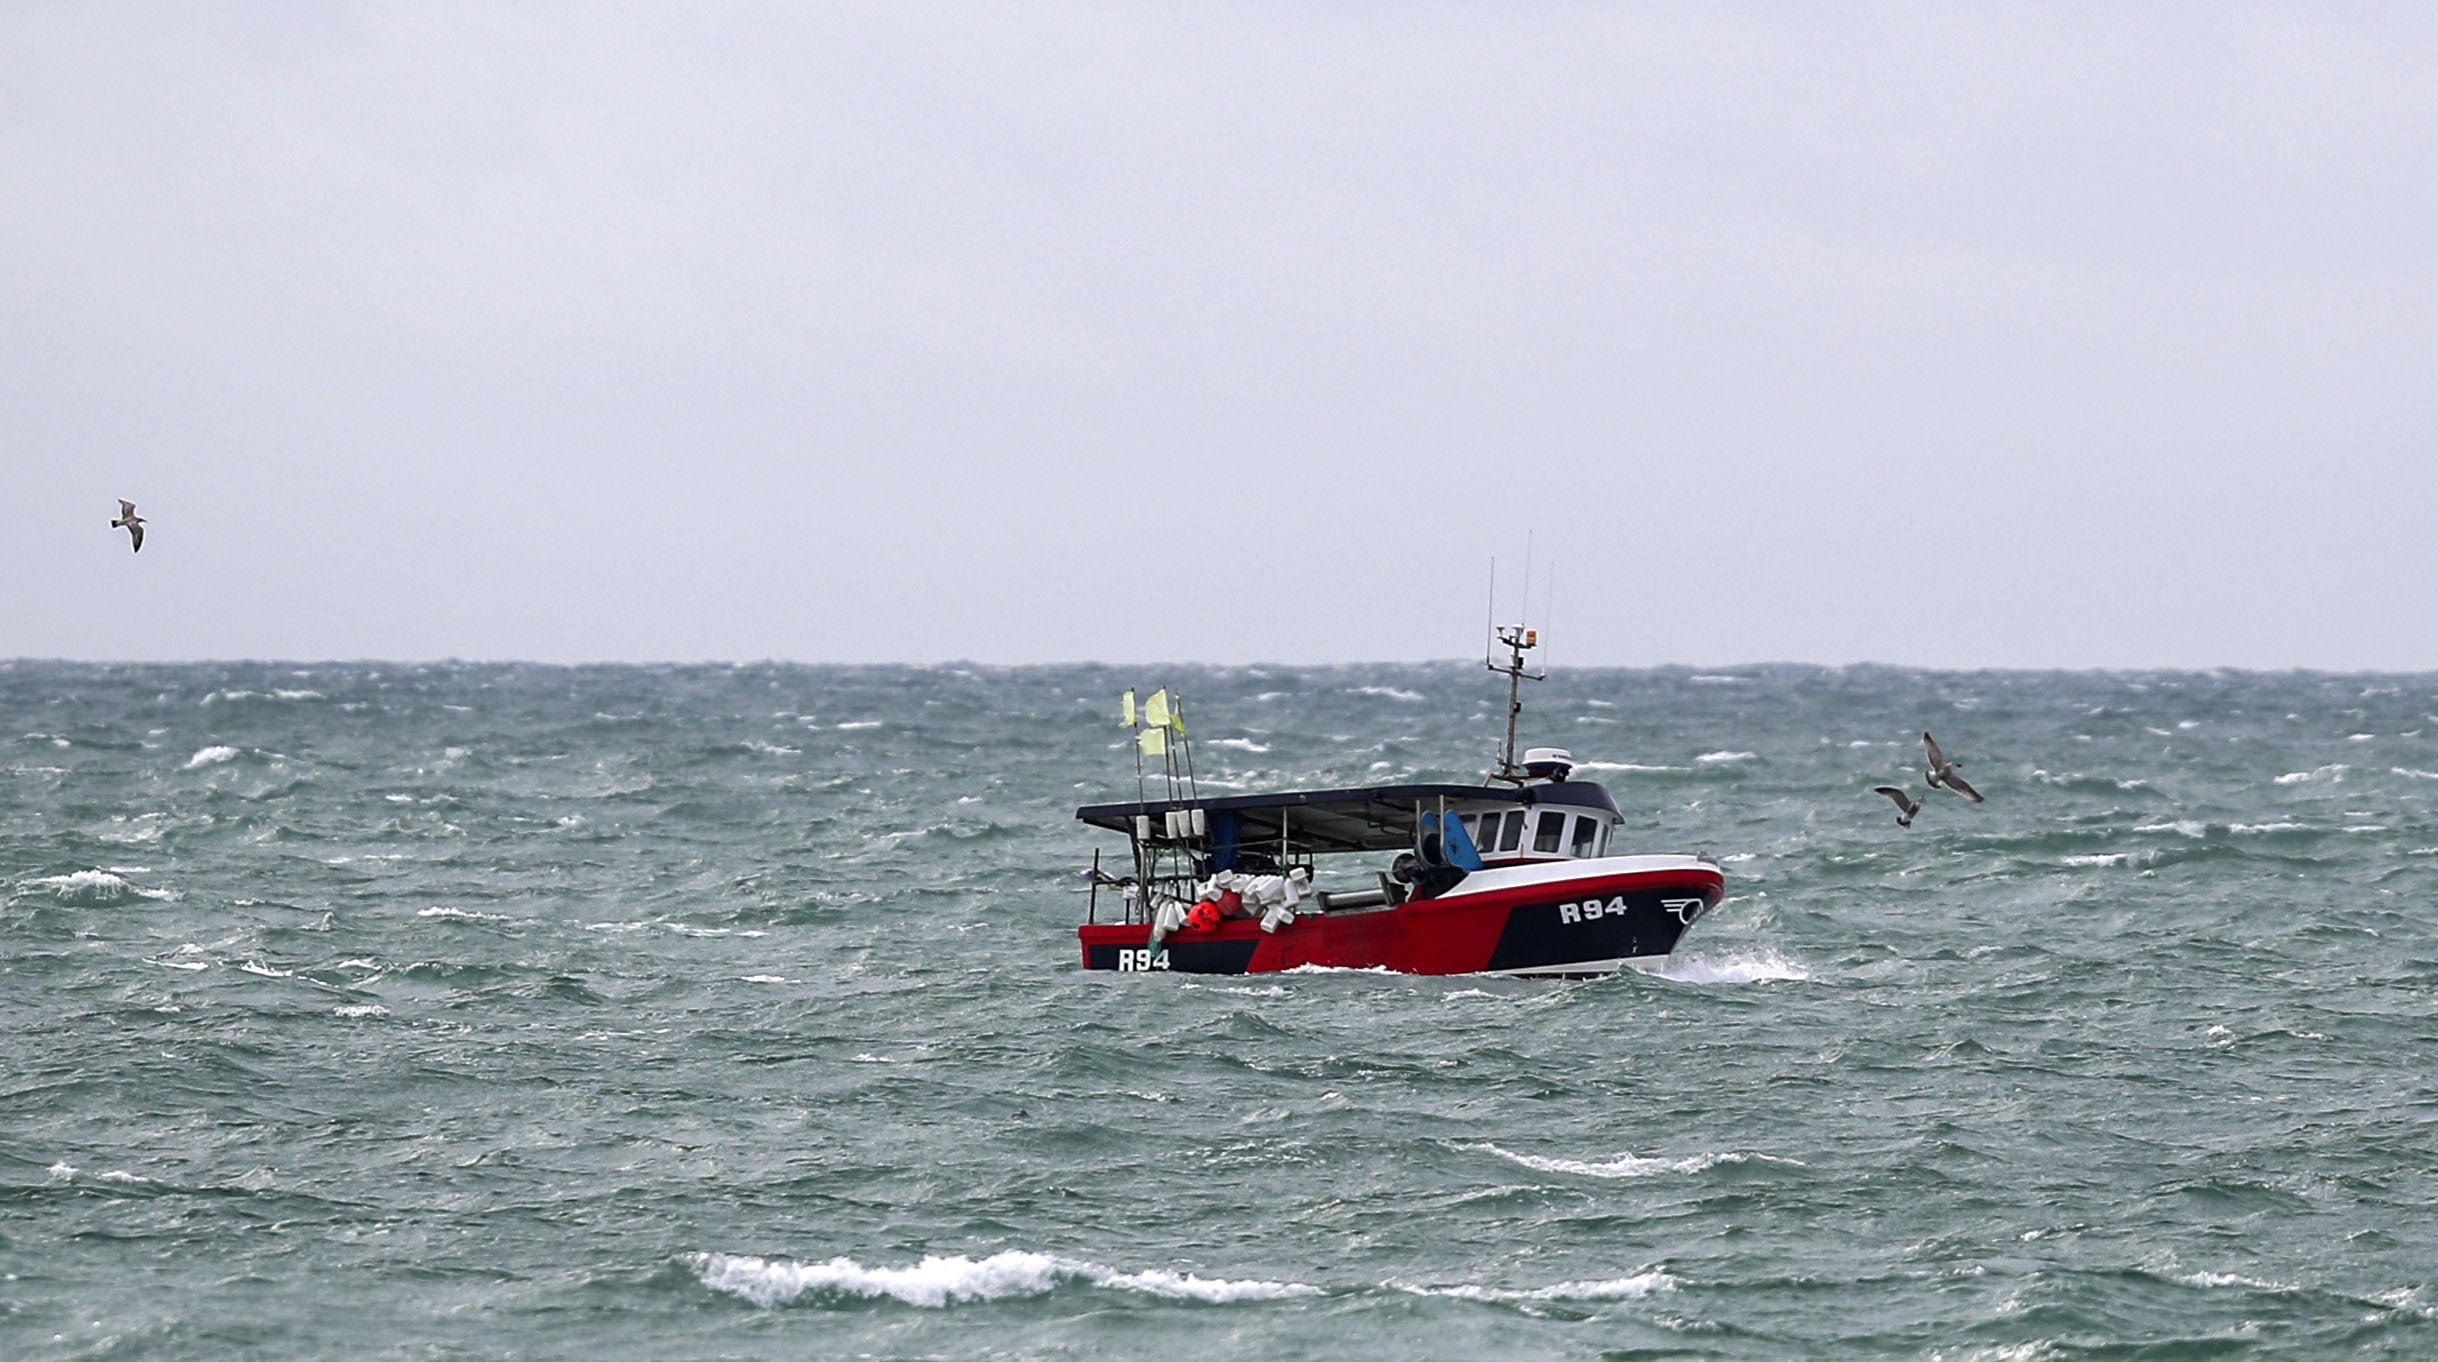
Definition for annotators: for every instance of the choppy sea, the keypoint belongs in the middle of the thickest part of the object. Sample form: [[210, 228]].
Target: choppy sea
[[482, 1011]]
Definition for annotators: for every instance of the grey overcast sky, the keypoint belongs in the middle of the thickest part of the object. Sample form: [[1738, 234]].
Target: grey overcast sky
[[1947, 335]]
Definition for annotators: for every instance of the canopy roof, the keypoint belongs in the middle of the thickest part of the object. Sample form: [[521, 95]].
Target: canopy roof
[[1316, 822]]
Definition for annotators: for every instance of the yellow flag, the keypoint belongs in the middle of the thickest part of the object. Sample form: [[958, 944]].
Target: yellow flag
[[1155, 742], [1176, 716], [1155, 709], [1126, 714]]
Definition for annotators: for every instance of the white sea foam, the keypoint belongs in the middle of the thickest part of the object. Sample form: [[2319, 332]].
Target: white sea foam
[[2217, 1279], [1716, 758], [2078, 778], [1755, 968], [858, 725], [2266, 827], [1626, 766], [94, 888], [1237, 744], [1622, 1166], [464, 915], [2189, 827], [1389, 692], [2333, 773], [940, 1281], [359, 1010], [2410, 774], [1631, 1288], [211, 756], [2098, 858], [767, 979]]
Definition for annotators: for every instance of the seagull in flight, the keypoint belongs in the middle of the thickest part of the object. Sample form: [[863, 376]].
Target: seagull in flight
[[1942, 771], [131, 522], [1906, 805]]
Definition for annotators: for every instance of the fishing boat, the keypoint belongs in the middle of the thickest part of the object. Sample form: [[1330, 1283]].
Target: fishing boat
[[1520, 875]]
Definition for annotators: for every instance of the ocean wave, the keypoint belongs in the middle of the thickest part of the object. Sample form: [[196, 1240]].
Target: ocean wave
[[1629, 1288], [953, 1279], [2185, 827], [1719, 758], [464, 915], [94, 889], [1630, 766], [1622, 1166], [2076, 780], [211, 756], [1389, 693], [2333, 773], [2097, 858], [1237, 744]]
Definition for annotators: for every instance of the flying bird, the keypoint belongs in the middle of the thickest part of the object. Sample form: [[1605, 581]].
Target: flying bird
[[1942, 771], [1906, 806], [131, 522]]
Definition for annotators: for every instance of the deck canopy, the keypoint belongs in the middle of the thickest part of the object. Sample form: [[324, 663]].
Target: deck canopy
[[1318, 822]]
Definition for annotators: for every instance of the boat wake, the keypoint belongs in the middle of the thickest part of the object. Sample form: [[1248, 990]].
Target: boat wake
[[1756, 968]]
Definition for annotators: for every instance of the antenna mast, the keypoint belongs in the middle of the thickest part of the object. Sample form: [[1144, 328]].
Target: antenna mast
[[1518, 640]]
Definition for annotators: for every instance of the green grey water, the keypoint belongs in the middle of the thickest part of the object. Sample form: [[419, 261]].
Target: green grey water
[[483, 1011]]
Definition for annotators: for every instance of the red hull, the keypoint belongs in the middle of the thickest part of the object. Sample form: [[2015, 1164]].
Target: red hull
[[1581, 918]]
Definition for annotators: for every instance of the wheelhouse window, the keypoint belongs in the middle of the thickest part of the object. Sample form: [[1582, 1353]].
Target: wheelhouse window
[[1512, 831], [1550, 832], [1586, 838]]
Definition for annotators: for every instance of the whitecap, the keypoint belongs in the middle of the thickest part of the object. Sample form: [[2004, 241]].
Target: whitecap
[[2266, 827], [359, 1010], [1708, 679], [464, 915], [941, 1280], [2410, 774], [1627, 766], [1389, 692], [859, 725], [211, 756], [1622, 1166], [1715, 758], [2189, 827], [2217, 1279], [1237, 744], [2098, 858], [2333, 773], [1635, 1287], [94, 889], [767, 979]]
